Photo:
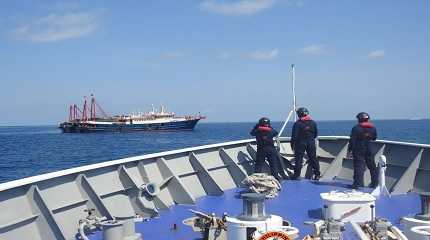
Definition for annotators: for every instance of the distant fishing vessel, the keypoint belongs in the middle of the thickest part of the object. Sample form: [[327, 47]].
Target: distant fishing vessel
[[155, 120]]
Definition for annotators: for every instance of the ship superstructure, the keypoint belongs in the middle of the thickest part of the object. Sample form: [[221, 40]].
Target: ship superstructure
[[92, 118]]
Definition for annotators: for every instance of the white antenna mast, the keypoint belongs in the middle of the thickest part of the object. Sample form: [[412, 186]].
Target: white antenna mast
[[292, 112], [293, 72]]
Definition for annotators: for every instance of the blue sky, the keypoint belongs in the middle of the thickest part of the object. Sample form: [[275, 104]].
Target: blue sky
[[229, 60]]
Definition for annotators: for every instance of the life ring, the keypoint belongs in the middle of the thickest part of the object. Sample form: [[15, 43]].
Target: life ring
[[274, 235]]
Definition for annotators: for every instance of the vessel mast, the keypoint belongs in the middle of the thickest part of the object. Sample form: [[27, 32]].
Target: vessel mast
[[70, 113], [84, 111], [293, 73], [292, 112], [92, 108], [75, 111]]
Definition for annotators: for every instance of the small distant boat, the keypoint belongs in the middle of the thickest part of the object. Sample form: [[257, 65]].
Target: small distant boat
[[416, 119], [155, 120]]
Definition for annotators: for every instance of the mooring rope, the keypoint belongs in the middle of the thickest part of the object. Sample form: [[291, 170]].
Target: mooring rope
[[263, 183]]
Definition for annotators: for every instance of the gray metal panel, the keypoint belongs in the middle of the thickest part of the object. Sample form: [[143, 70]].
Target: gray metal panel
[[347, 171], [94, 200], [246, 161], [406, 181], [422, 180], [216, 167], [49, 206], [239, 156], [330, 149], [178, 190], [235, 171], [425, 160], [211, 187], [336, 165], [423, 172]]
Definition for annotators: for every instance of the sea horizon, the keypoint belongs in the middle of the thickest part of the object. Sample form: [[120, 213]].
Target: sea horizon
[[247, 121]]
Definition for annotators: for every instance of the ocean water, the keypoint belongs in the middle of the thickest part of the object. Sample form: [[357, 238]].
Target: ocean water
[[32, 150]]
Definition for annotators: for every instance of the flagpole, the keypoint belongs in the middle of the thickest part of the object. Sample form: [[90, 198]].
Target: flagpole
[[293, 73]]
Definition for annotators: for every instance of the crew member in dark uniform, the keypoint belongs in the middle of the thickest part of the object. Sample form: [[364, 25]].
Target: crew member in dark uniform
[[359, 146], [303, 137], [264, 135]]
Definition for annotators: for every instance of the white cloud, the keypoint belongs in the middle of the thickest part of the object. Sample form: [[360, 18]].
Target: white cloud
[[242, 7], [314, 49], [59, 27], [376, 54], [265, 55]]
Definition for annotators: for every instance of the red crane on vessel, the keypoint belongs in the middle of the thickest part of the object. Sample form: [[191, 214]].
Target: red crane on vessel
[[75, 114]]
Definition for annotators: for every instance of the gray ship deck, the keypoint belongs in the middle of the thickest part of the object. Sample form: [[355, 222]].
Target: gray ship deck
[[50, 206], [298, 201]]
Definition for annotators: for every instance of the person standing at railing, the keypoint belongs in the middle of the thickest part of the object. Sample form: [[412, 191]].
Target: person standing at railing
[[303, 137], [264, 134], [359, 147]]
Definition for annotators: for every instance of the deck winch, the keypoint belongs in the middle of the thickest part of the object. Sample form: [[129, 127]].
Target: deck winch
[[210, 226], [328, 229], [253, 222], [119, 228], [349, 206], [378, 229], [358, 209], [253, 207]]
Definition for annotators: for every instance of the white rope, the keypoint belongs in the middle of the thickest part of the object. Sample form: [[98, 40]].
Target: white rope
[[263, 183]]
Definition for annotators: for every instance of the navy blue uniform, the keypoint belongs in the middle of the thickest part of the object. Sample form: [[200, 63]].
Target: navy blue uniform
[[266, 150], [359, 144], [303, 139]]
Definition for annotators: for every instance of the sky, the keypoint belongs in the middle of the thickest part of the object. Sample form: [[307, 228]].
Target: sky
[[229, 60]]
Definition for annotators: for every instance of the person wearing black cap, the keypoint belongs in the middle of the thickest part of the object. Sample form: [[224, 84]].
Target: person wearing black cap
[[359, 147], [303, 137], [264, 135]]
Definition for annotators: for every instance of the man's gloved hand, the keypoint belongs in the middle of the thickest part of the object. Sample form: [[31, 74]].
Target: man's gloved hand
[[349, 155]]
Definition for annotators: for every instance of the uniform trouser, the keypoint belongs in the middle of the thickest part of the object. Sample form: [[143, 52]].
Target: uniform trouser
[[299, 152], [271, 155], [360, 160]]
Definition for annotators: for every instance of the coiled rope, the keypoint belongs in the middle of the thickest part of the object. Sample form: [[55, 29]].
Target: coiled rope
[[263, 183]]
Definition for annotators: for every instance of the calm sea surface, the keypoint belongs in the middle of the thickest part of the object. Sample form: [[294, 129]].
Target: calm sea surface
[[32, 150]]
